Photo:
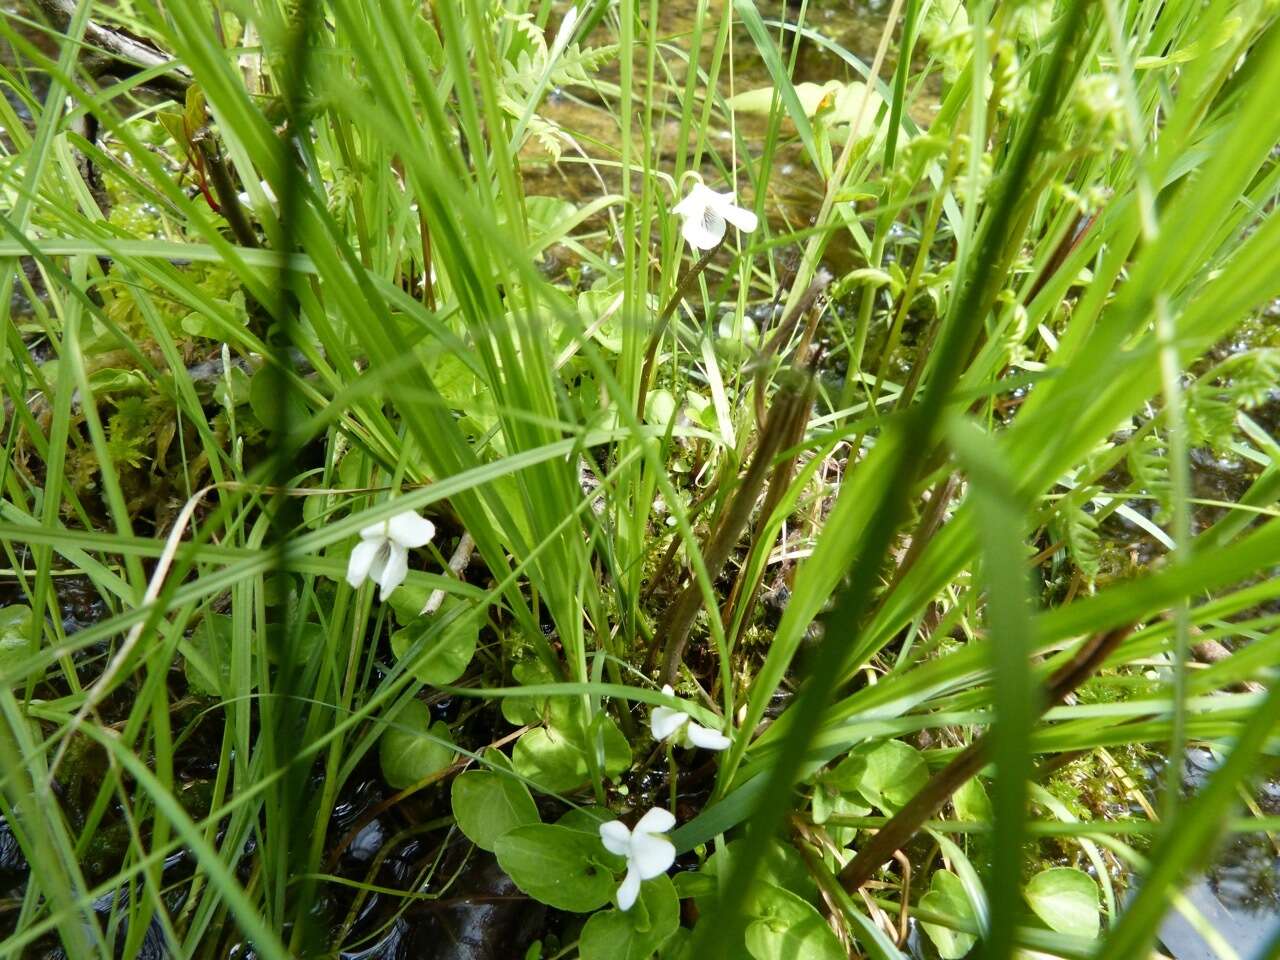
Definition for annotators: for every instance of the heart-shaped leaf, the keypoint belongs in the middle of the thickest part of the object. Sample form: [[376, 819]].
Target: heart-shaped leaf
[[787, 927], [946, 896], [445, 652], [15, 627], [559, 866], [887, 774], [548, 758], [519, 711], [636, 933], [555, 756], [828, 801], [487, 805], [971, 801], [208, 656], [412, 747], [1067, 900]]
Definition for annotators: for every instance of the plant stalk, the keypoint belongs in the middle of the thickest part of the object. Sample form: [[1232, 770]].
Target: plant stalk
[[679, 617], [933, 795]]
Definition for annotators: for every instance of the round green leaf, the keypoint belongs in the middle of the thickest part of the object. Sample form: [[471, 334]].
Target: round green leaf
[[269, 403], [586, 819], [946, 896], [519, 711], [207, 663], [546, 757], [636, 933], [617, 752], [660, 408], [561, 867], [828, 802], [307, 642], [555, 756], [487, 805], [15, 629], [548, 215], [782, 867], [787, 927], [454, 380], [444, 657], [592, 305], [971, 802], [407, 600], [107, 380], [887, 774], [412, 748], [1067, 900]]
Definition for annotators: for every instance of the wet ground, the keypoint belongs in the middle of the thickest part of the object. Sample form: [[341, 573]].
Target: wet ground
[[1239, 894], [480, 916], [841, 29]]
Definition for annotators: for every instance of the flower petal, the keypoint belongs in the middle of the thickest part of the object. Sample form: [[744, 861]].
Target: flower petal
[[651, 854], [379, 565], [720, 201], [616, 837], [374, 531], [629, 890], [410, 530], [707, 739], [704, 231], [740, 217], [362, 557], [688, 207], [565, 33], [665, 721], [656, 820], [697, 200], [394, 570]]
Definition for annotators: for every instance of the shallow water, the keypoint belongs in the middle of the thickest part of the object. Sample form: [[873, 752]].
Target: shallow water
[[794, 190], [1239, 893]]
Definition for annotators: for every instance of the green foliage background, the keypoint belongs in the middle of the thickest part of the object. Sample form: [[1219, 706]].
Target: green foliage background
[[287, 269]]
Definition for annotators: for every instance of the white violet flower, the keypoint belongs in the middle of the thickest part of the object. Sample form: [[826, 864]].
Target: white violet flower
[[382, 555], [667, 721], [267, 192], [565, 33], [704, 213], [648, 853]]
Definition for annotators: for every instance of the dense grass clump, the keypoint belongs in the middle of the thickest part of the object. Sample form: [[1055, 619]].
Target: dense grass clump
[[616, 479]]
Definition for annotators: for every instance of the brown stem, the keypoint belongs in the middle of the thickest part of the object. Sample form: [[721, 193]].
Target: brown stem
[[678, 619], [783, 334], [1080, 226], [779, 483], [664, 318], [904, 896], [787, 327], [928, 526], [903, 825], [780, 480], [228, 196]]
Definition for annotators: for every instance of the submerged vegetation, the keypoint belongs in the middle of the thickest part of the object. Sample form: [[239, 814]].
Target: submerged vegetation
[[522, 478]]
